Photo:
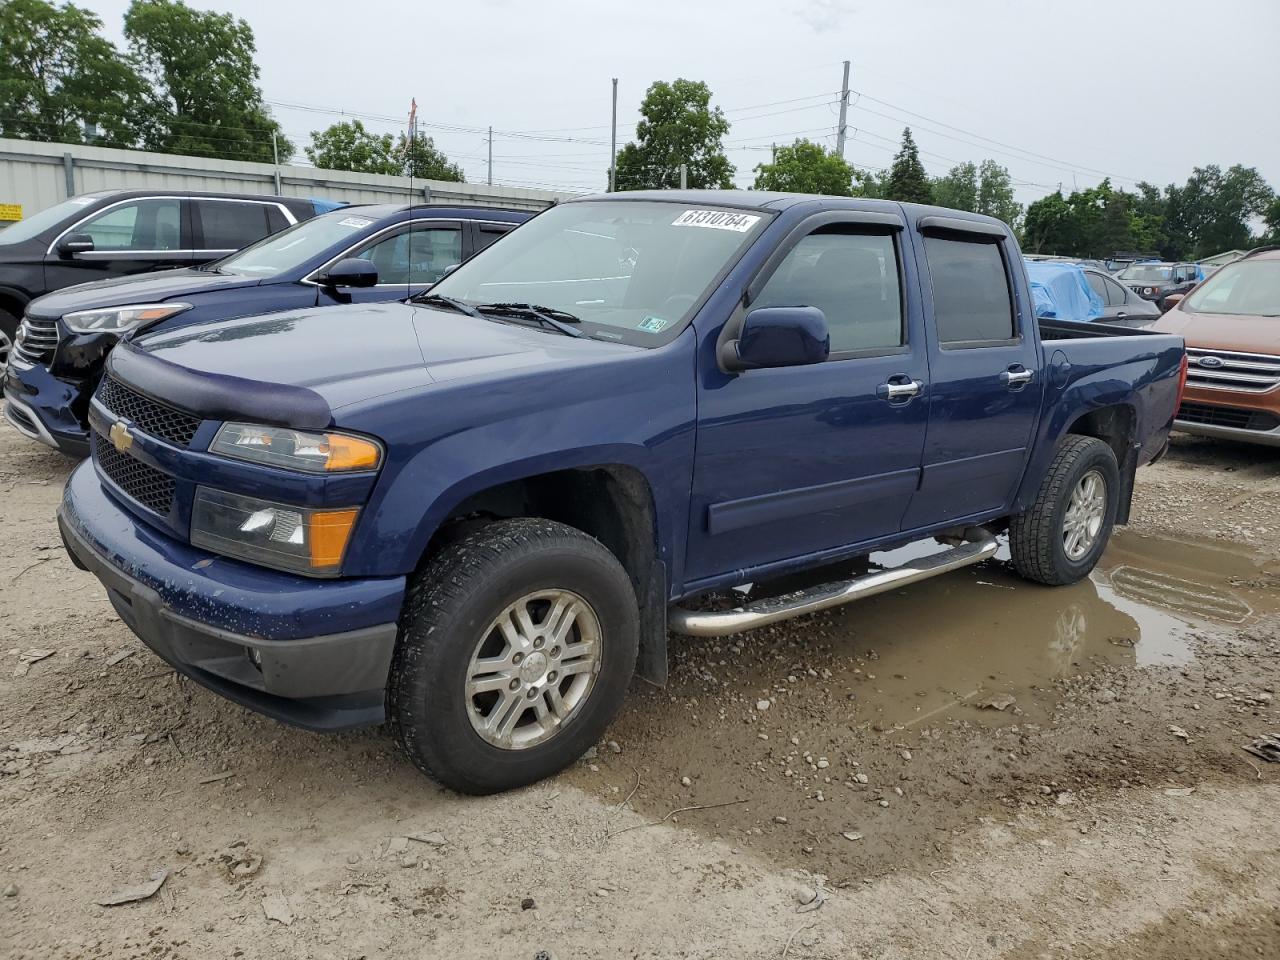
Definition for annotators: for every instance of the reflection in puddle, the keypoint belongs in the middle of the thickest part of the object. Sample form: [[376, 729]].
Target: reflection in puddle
[[945, 644]]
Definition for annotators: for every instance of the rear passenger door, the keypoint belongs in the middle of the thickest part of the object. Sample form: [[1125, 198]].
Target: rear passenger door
[[222, 227], [985, 368], [796, 461]]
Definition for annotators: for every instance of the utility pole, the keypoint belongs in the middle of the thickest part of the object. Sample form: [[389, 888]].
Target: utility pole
[[774, 153], [275, 153], [844, 112], [491, 156], [613, 148], [684, 176]]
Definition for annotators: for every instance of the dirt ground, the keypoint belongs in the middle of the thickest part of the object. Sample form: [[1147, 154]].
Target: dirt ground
[[973, 767]]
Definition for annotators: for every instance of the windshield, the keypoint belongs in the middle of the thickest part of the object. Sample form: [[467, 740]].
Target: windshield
[[1250, 287], [38, 223], [1150, 272], [630, 270], [290, 248]]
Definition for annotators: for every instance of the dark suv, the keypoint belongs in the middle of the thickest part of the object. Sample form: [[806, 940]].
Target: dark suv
[[117, 232], [1155, 280]]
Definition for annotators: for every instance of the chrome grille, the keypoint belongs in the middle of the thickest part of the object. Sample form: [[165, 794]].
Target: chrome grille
[[1229, 370], [150, 416], [36, 340], [145, 484]]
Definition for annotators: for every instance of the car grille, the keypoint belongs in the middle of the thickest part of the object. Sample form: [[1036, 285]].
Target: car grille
[[1229, 370], [150, 416], [37, 339], [1232, 417], [147, 485]]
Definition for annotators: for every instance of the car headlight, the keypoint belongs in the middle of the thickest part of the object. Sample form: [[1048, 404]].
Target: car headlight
[[296, 449], [121, 319], [283, 536]]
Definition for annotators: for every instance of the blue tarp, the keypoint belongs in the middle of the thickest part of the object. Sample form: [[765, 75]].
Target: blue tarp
[[1061, 292]]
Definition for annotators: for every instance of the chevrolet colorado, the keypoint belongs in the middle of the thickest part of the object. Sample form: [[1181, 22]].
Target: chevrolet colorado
[[476, 514]]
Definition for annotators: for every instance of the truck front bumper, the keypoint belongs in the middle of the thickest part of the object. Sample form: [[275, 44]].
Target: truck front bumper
[[281, 665]]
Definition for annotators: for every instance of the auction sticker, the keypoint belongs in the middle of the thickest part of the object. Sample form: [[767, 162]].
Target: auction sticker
[[652, 325], [716, 220], [356, 222]]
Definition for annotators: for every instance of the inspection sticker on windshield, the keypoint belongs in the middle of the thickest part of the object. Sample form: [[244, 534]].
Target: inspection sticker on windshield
[[356, 222], [716, 220], [652, 325]]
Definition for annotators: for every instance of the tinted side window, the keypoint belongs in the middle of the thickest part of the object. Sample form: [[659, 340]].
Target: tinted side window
[[852, 278], [971, 297], [137, 225], [276, 220], [229, 226], [418, 257], [487, 233], [1098, 284], [1115, 294]]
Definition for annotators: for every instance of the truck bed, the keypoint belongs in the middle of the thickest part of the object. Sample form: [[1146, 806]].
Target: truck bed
[[1072, 330]]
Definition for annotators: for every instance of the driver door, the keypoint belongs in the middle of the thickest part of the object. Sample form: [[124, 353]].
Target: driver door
[[131, 236]]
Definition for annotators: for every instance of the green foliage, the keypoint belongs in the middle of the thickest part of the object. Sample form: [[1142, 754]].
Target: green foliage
[[678, 126], [987, 190], [1212, 212], [57, 72], [907, 180], [1273, 222], [871, 184], [205, 99], [423, 160], [958, 189], [805, 167], [349, 146]]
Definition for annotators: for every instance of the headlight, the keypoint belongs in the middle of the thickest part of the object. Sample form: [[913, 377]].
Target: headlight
[[120, 319], [296, 450], [277, 535]]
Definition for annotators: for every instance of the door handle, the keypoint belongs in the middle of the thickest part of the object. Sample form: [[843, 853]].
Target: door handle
[[899, 391], [1121, 315], [1016, 376]]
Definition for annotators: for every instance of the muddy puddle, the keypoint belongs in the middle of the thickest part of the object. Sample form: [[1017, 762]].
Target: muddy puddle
[[981, 635]]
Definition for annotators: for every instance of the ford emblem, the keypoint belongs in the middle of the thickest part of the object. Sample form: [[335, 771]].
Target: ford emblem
[[1210, 361]]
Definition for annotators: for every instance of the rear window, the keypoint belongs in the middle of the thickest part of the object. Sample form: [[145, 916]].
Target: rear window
[[971, 297], [229, 225]]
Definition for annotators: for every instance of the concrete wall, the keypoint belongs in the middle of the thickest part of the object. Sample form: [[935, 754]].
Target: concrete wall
[[38, 175]]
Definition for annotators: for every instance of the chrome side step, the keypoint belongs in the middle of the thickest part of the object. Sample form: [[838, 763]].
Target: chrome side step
[[977, 546]]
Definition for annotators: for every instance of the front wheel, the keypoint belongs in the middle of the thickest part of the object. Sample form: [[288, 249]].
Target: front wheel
[[8, 333], [1059, 538], [517, 644]]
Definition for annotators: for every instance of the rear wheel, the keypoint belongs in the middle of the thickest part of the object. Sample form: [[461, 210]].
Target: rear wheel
[[517, 645], [1060, 537]]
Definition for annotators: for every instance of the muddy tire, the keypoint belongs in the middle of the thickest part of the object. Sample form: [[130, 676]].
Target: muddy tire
[[1060, 537], [517, 644]]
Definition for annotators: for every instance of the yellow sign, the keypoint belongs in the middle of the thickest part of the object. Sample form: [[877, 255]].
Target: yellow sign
[[10, 211]]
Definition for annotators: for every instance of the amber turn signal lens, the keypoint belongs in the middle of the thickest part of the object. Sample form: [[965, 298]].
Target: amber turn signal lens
[[329, 532], [351, 453]]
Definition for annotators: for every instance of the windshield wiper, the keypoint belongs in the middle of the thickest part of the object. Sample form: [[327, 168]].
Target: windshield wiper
[[547, 316], [458, 305]]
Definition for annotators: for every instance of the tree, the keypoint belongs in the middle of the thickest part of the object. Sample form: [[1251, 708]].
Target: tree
[[57, 73], [1047, 227], [805, 167], [1212, 212], [995, 193], [678, 126], [1095, 222], [205, 98], [423, 160], [1273, 222], [349, 146], [958, 189], [907, 180]]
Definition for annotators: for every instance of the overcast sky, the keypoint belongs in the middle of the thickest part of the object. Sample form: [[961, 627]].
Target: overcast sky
[[1060, 93]]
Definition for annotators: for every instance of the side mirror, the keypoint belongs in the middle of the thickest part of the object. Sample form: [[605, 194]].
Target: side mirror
[[1172, 300], [74, 243], [778, 337], [449, 269], [351, 272]]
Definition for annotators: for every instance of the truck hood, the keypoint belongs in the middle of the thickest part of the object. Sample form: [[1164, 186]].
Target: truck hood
[[1216, 331], [140, 288], [298, 367]]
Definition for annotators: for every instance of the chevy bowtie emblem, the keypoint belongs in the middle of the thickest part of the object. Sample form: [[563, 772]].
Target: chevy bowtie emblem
[[121, 438]]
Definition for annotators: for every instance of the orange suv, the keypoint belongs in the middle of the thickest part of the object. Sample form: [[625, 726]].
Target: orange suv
[[1231, 323]]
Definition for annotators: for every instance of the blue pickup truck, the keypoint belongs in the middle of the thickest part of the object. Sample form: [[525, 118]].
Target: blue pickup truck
[[361, 254], [476, 514]]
